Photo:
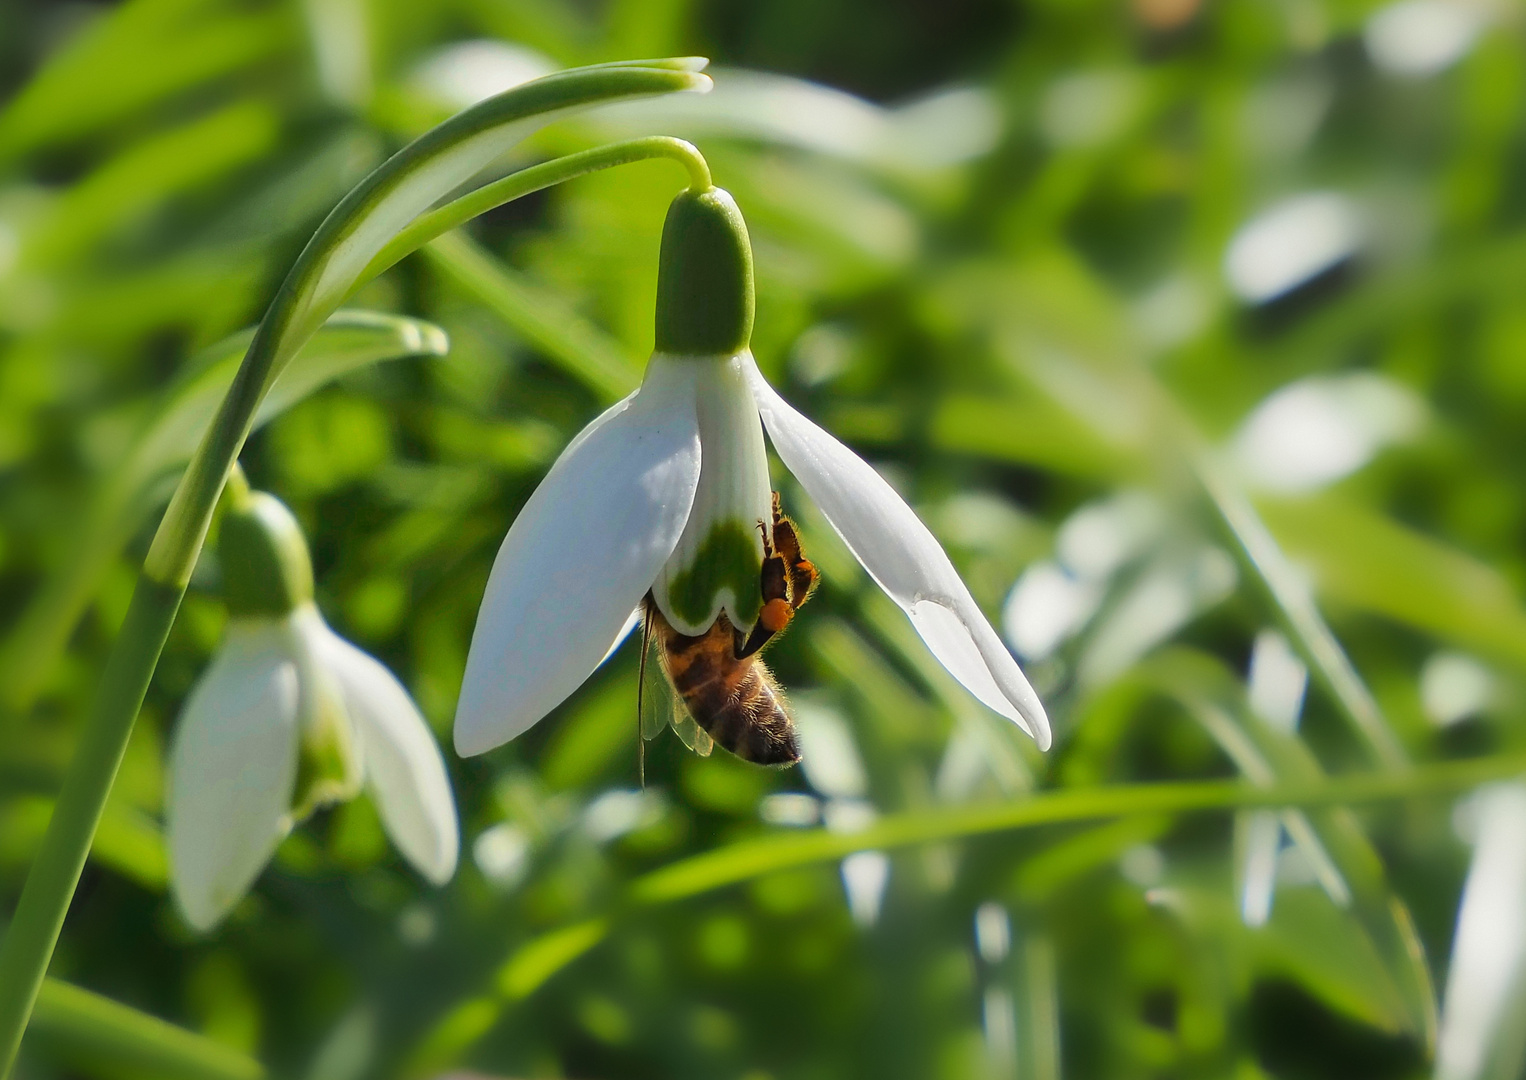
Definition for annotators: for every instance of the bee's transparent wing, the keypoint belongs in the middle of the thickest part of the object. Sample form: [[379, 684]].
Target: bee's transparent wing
[[694, 737], [655, 697]]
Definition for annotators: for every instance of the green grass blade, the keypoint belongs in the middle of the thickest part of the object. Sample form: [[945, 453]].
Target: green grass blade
[[104, 1038]]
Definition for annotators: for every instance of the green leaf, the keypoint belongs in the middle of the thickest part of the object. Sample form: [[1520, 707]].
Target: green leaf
[[110, 1040], [1371, 562], [349, 341]]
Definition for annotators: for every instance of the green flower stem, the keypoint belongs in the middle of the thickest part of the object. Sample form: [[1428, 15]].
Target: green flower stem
[[750, 859], [536, 961], [51, 880], [90, 1029], [528, 181], [377, 209]]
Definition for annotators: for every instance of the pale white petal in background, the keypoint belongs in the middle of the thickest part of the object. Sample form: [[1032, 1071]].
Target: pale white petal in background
[[1166, 597], [865, 874], [1455, 686], [1047, 606], [1262, 839], [466, 72], [404, 771], [1089, 108], [904, 559], [945, 128], [1317, 430], [828, 753], [617, 812], [1291, 243], [579, 558], [1101, 537], [1415, 38], [232, 766], [993, 932], [1483, 1019], [1277, 681], [502, 854], [791, 809], [1275, 690]]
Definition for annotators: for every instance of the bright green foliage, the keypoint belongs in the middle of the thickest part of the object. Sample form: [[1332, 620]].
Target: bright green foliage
[[1012, 297]]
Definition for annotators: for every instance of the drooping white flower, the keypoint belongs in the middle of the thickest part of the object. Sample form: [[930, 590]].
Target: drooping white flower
[[290, 717], [665, 492]]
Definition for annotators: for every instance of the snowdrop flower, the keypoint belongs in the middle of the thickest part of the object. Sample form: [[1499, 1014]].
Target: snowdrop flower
[[665, 494], [290, 717]]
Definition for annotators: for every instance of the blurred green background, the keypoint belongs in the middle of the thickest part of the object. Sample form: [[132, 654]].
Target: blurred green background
[[1099, 285]]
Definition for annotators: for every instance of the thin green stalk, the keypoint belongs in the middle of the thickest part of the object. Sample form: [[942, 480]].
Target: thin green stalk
[[51, 880], [89, 1029], [1259, 550], [386, 202], [527, 181], [536, 961], [750, 859]]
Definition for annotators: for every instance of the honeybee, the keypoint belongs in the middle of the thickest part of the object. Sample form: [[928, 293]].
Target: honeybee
[[723, 692]]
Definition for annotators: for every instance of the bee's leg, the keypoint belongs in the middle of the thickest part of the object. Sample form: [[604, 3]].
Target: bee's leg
[[776, 612], [802, 572]]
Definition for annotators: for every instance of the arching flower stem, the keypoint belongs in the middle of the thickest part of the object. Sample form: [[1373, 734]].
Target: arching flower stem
[[528, 181], [390, 199]]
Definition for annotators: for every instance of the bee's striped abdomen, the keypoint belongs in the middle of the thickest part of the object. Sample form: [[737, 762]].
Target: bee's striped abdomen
[[734, 700]]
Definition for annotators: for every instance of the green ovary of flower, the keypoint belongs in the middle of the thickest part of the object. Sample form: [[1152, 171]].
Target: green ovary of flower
[[727, 559]]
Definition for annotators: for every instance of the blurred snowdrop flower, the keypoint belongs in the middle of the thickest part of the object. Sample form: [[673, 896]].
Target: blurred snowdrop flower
[[1292, 243], [464, 73], [1099, 538], [1453, 687], [1144, 865], [1483, 1020], [667, 496], [290, 717], [1088, 108], [1046, 607], [1416, 38], [943, 129], [1052, 601], [865, 875], [793, 809], [828, 754], [993, 932], [502, 854], [1278, 680], [1172, 312], [1320, 429], [615, 813], [1164, 599]]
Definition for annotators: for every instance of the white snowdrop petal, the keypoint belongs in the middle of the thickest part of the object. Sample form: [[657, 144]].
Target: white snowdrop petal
[[733, 490], [904, 559], [578, 559], [232, 766], [405, 774]]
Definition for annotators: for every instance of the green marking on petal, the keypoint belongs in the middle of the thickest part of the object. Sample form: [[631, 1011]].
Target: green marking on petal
[[328, 770], [728, 558]]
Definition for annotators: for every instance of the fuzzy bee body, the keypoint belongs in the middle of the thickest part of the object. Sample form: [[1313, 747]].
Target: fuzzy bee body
[[724, 686], [734, 700]]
